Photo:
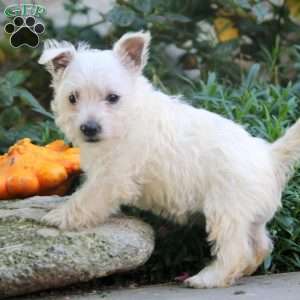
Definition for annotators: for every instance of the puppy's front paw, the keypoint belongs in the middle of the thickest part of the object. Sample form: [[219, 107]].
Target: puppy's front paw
[[57, 217], [72, 217]]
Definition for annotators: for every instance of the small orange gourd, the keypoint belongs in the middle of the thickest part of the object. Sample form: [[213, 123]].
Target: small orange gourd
[[27, 169]]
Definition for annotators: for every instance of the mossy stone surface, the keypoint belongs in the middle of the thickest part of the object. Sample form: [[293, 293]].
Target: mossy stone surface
[[34, 257]]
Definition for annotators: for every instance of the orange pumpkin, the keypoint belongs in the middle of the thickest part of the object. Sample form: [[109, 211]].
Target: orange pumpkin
[[27, 169]]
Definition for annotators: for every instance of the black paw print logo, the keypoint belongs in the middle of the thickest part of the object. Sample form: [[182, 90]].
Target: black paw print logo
[[24, 31]]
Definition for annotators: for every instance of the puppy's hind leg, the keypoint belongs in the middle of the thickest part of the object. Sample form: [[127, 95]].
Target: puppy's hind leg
[[232, 250], [262, 246]]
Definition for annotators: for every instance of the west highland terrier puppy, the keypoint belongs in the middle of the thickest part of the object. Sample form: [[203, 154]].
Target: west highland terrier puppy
[[147, 149]]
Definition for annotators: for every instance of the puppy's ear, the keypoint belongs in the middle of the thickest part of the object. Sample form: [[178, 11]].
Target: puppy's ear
[[57, 56], [132, 50]]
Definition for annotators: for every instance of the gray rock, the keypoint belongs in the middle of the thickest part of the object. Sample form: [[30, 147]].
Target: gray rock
[[35, 257]]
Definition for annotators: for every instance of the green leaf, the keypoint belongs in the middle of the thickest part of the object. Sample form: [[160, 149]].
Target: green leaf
[[252, 76], [121, 16], [29, 99], [6, 95], [268, 262], [7, 138], [9, 116], [177, 18], [156, 19], [16, 78], [144, 6], [8, 86]]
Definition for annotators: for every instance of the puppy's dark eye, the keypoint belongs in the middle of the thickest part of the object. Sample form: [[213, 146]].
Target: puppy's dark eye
[[72, 99], [112, 98]]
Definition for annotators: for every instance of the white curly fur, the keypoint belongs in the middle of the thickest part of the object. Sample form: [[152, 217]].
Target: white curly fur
[[159, 153]]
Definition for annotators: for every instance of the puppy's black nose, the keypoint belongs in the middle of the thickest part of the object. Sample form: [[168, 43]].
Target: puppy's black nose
[[90, 129]]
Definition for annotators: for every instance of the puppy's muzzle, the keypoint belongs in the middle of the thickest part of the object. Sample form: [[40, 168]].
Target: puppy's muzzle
[[91, 131]]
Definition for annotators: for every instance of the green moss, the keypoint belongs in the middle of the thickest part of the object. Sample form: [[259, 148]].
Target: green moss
[[23, 236]]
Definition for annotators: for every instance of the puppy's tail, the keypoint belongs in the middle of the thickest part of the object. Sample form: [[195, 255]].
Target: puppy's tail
[[286, 152]]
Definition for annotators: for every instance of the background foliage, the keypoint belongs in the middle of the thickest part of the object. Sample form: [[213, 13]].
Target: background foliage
[[239, 58]]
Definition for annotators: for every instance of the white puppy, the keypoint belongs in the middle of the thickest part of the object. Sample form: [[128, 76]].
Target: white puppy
[[147, 149]]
